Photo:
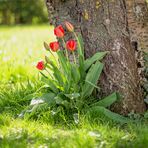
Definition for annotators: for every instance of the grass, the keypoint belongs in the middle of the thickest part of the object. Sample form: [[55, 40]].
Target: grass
[[20, 48], [24, 133]]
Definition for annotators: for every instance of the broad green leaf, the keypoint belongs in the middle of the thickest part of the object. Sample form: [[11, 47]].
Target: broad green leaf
[[92, 77], [63, 75], [49, 67], [73, 95], [95, 86], [63, 62], [81, 67], [90, 61], [29, 97], [80, 45], [103, 111], [68, 78], [146, 115], [51, 84], [106, 102], [57, 74], [48, 98], [75, 73], [60, 100], [80, 55]]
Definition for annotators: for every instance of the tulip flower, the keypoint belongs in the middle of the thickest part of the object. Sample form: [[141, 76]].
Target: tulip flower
[[71, 45], [69, 26], [54, 46], [59, 31], [40, 65]]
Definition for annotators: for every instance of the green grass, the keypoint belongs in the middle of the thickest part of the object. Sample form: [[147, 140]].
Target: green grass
[[20, 48], [24, 133]]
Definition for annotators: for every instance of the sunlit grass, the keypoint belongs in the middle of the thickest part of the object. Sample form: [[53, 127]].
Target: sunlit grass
[[20, 48], [24, 133]]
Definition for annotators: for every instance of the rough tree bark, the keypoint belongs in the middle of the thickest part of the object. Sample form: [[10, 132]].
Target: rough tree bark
[[105, 26], [137, 13]]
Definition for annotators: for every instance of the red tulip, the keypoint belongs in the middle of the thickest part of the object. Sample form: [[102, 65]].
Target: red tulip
[[54, 46], [69, 26], [59, 31], [71, 45], [40, 65]]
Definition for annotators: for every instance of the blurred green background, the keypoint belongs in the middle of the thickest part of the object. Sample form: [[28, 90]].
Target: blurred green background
[[23, 12]]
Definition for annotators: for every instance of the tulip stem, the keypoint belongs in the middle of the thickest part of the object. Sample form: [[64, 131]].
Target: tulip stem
[[54, 57], [49, 73], [79, 44], [65, 49], [74, 57]]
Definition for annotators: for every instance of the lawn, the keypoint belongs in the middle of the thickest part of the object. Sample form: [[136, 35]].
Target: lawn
[[20, 48]]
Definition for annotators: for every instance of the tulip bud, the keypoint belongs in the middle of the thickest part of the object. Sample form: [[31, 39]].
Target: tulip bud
[[47, 59], [46, 46], [59, 31], [40, 65], [69, 26], [71, 45], [54, 46]]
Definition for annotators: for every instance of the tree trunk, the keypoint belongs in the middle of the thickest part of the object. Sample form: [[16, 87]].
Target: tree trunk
[[104, 25], [137, 13]]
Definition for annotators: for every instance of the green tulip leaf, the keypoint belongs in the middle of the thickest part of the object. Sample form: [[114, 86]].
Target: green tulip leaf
[[92, 77], [99, 110], [90, 61], [107, 101]]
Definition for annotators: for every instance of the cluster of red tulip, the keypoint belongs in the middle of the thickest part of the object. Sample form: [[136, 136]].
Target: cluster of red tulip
[[54, 46]]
